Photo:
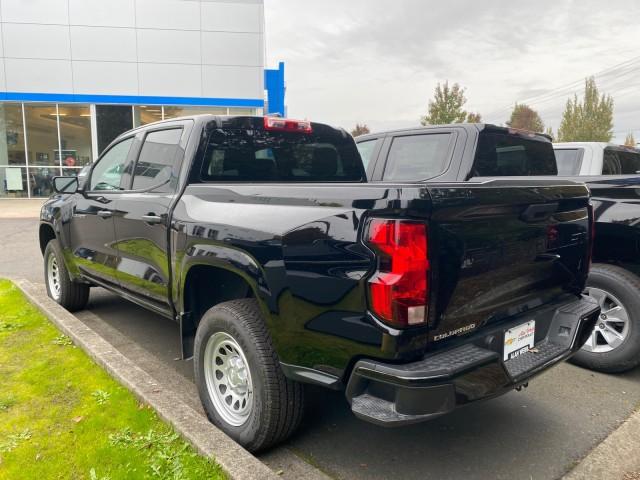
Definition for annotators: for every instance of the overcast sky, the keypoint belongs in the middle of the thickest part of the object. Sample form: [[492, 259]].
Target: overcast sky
[[378, 61]]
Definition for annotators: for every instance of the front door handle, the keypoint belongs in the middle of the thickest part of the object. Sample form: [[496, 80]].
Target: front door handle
[[152, 219], [105, 213]]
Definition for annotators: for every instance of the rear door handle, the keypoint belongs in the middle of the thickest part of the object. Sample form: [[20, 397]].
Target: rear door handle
[[152, 219], [105, 213]]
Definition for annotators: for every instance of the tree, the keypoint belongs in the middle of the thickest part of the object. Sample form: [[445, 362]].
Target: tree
[[630, 140], [446, 106], [360, 130], [549, 131], [590, 120], [525, 118], [474, 118]]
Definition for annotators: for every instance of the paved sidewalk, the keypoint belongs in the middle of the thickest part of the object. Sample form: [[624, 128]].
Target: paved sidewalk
[[20, 207], [616, 458]]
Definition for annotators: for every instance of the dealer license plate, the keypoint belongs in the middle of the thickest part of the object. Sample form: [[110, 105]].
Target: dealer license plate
[[519, 340]]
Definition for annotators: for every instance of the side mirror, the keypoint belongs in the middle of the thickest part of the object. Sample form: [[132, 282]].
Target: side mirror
[[65, 184]]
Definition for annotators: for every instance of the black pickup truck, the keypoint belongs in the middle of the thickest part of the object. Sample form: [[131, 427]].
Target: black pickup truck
[[611, 174], [282, 265]]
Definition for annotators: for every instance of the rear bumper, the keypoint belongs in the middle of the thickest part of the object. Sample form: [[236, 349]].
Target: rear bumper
[[390, 394]]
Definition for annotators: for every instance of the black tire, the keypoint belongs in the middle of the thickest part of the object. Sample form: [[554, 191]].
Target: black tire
[[277, 401], [625, 286], [73, 295]]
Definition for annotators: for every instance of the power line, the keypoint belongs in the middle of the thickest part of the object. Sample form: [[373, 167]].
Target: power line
[[614, 70], [626, 131], [614, 73]]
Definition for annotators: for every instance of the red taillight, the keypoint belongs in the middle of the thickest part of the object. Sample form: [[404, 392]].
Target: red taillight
[[287, 125], [398, 290]]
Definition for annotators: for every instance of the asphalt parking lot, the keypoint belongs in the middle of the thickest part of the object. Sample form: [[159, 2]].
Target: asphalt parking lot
[[538, 433]]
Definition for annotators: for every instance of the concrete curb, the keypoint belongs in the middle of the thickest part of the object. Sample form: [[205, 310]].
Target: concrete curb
[[616, 456], [207, 439]]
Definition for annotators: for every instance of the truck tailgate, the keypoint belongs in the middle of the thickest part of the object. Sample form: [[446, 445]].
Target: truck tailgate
[[503, 247]]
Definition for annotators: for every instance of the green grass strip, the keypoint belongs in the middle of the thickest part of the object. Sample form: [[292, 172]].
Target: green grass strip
[[63, 417]]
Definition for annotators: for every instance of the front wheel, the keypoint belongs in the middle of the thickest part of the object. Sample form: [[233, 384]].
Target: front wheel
[[614, 344], [239, 378], [71, 295]]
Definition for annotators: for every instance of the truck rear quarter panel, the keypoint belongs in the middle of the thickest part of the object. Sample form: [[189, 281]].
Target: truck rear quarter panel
[[298, 248]]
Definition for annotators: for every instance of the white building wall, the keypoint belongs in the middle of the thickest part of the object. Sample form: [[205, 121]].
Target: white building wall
[[181, 48]]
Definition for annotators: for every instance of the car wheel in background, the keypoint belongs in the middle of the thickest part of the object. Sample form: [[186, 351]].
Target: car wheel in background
[[71, 295], [614, 344], [239, 378]]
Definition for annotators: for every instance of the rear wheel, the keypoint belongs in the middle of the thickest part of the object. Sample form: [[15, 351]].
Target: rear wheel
[[71, 295], [239, 378], [614, 343]]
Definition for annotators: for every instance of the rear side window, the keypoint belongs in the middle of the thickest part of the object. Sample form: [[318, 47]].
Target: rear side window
[[512, 155], [256, 155], [158, 165], [619, 162], [366, 149], [417, 157], [568, 161]]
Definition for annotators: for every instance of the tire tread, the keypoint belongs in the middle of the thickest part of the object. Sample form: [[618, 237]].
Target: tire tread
[[287, 404], [73, 296], [615, 362]]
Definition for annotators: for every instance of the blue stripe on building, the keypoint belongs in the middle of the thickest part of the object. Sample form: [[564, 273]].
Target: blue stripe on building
[[130, 99]]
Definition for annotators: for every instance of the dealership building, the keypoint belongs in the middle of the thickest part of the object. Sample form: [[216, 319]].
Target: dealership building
[[76, 73]]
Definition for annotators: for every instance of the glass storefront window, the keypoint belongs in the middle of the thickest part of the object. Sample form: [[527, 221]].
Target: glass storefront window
[[173, 112], [75, 135], [13, 182], [42, 134], [40, 180], [143, 114], [59, 138], [112, 120], [72, 172], [242, 111], [11, 134]]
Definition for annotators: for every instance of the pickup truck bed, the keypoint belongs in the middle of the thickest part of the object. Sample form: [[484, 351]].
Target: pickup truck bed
[[282, 265]]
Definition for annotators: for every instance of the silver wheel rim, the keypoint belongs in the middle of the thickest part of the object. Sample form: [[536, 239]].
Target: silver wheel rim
[[53, 276], [612, 328], [228, 379]]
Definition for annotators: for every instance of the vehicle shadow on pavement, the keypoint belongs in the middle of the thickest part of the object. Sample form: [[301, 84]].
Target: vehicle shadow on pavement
[[537, 433]]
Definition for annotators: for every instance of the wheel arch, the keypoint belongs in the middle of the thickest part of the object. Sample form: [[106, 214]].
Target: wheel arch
[[46, 233], [205, 285]]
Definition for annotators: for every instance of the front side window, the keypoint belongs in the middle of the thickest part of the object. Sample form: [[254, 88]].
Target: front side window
[[568, 161], [107, 173], [417, 157], [620, 162], [158, 165]]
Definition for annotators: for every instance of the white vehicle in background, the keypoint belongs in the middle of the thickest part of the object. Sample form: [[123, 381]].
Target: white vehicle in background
[[596, 158], [612, 173]]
